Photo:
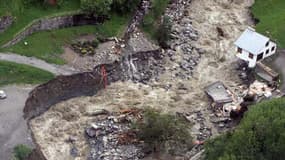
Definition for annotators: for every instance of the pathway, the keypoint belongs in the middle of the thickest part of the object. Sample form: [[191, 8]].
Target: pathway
[[32, 61], [13, 128]]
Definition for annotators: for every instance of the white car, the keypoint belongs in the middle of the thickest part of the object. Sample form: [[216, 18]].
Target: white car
[[2, 94]]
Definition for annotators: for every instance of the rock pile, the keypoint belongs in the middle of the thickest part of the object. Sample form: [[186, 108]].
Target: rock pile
[[181, 51], [5, 22], [111, 138]]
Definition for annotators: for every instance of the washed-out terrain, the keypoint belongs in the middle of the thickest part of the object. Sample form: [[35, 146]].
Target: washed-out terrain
[[201, 52]]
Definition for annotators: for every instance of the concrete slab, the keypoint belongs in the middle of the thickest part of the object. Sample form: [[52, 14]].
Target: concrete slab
[[218, 92]]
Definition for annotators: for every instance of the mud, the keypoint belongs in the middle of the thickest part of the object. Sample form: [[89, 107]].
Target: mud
[[217, 22], [137, 67]]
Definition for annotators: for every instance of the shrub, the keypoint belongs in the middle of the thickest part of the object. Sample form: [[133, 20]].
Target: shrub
[[124, 6], [158, 130], [21, 152], [260, 136], [98, 7], [163, 32]]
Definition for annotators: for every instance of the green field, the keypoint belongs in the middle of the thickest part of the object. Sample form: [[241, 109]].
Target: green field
[[25, 14], [47, 45], [13, 73], [271, 14]]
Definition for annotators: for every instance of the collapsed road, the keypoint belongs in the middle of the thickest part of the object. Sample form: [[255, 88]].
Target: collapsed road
[[173, 79]]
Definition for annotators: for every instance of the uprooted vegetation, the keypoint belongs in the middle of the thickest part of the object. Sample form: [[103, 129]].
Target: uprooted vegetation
[[164, 132], [152, 24]]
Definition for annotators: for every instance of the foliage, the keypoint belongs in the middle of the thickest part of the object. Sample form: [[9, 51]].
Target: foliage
[[163, 32], [159, 129], [151, 22], [271, 16], [13, 73], [30, 13], [260, 136], [21, 152], [98, 7], [124, 6]]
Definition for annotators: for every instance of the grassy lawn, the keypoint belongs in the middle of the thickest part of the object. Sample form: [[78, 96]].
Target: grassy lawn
[[24, 14], [13, 73], [271, 14], [47, 45], [151, 20]]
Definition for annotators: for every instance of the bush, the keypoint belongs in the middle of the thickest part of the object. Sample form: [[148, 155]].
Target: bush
[[98, 7], [163, 32], [21, 152], [158, 130], [124, 6], [260, 136]]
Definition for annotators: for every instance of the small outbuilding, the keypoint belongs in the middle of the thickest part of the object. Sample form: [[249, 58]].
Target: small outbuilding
[[253, 47]]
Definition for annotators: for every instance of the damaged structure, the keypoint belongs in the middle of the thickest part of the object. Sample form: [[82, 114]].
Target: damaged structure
[[253, 47], [235, 103]]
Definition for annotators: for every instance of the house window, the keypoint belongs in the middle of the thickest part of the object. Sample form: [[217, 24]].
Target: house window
[[267, 44], [272, 49], [239, 50], [260, 56], [250, 55], [267, 51]]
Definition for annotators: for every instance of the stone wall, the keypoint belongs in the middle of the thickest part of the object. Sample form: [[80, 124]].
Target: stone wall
[[5, 22], [55, 23]]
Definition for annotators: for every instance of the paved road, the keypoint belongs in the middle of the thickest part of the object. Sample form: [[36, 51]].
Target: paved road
[[13, 128], [55, 69]]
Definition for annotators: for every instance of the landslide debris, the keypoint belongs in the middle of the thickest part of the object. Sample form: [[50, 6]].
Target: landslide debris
[[201, 52]]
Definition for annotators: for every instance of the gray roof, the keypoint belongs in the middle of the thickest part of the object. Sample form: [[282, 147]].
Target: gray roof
[[251, 41], [218, 92]]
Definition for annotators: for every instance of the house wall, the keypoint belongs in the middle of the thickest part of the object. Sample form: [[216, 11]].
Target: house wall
[[271, 44], [245, 56], [252, 62]]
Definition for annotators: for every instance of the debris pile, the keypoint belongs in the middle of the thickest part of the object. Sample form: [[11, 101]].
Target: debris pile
[[181, 52], [110, 137], [230, 103], [85, 48]]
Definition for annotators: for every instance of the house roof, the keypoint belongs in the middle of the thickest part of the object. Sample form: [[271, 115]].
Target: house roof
[[251, 41]]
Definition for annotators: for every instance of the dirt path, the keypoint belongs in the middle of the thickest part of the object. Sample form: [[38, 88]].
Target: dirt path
[[32, 61], [13, 128]]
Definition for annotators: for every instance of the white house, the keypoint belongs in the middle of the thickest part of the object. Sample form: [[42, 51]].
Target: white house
[[253, 47]]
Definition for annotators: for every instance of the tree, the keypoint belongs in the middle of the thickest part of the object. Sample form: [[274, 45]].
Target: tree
[[163, 32], [98, 7], [260, 136], [21, 152], [124, 6], [158, 130]]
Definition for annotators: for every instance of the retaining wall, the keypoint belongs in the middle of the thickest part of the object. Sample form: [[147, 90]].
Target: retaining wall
[[55, 23]]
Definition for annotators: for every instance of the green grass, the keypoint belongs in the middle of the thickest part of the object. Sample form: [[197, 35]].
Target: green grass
[[47, 45], [271, 14], [13, 73], [24, 14], [152, 19]]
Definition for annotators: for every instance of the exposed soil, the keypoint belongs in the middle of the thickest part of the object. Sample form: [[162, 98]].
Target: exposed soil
[[105, 53], [219, 23]]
